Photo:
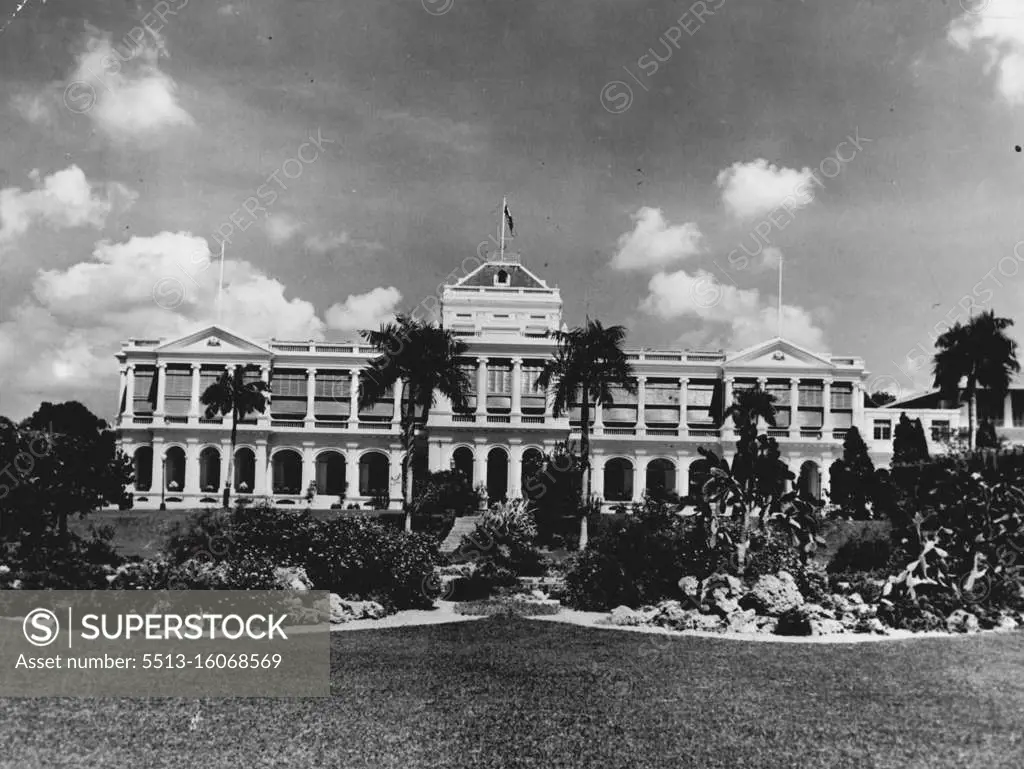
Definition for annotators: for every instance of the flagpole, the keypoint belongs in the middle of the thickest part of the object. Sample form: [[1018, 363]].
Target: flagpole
[[220, 284], [780, 297], [504, 207]]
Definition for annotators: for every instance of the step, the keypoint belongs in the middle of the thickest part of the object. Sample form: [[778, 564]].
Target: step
[[461, 528]]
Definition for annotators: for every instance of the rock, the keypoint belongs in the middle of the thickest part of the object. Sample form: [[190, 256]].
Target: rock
[[816, 611], [732, 586], [767, 625], [706, 622], [625, 617], [292, 578], [795, 621], [690, 587], [773, 594], [742, 622], [722, 603], [345, 611], [540, 595], [670, 614], [843, 586], [855, 598], [871, 625], [825, 626], [961, 621], [1007, 622]]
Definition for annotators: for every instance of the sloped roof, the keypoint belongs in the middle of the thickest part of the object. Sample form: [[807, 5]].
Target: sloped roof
[[518, 276]]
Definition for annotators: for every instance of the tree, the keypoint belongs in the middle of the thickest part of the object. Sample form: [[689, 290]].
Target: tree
[[588, 362], [554, 485], [425, 359], [748, 408], [853, 476], [909, 452], [67, 462], [987, 437], [878, 399], [979, 352], [231, 395]]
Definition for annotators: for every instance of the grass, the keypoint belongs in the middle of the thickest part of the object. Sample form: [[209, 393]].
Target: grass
[[521, 693]]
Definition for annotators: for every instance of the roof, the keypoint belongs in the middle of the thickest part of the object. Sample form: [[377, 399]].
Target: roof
[[518, 276]]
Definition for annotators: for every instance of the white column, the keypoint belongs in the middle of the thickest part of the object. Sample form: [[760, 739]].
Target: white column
[[517, 390], [1008, 410], [308, 467], [193, 407], [481, 385], [395, 477], [640, 476], [121, 385], [515, 470], [858, 407], [826, 412], [225, 455], [310, 400], [762, 383], [157, 472], [268, 470], [641, 405], [192, 467], [682, 475], [129, 391], [597, 475], [727, 426], [264, 418], [684, 429], [794, 406], [259, 481], [161, 389], [353, 414], [480, 464], [396, 413], [598, 428], [435, 461]]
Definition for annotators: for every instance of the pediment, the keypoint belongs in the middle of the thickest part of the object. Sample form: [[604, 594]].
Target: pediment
[[777, 353], [211, 341]]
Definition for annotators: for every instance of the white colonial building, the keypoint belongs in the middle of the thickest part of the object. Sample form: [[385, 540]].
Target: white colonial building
[[315, 433]]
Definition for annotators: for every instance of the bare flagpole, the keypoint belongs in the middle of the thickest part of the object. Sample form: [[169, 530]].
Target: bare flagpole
[[780, 298], [220, 284]]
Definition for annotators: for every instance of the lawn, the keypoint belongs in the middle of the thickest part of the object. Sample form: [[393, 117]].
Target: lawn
[[521, 693]]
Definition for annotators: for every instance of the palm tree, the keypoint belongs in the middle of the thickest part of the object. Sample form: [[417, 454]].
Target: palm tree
[[426, 360], [980, 352], [588, 362], [232, 395], [748, 408]]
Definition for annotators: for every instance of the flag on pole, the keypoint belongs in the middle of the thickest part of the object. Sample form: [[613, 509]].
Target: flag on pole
[[508, 219]]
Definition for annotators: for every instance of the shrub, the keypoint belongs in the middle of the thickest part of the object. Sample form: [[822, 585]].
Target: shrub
[[445, 493], [773, 552], [861, 554], [51, 561], [505, 536]]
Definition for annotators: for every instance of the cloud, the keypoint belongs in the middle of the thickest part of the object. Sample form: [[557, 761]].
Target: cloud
[[59, 341], [125, 94], [228, 10], [282, 227], [655, 243], [755, 188], [33, 108], [771, 258], [63, 199], [748, 321], [361, 311], [997, 27]]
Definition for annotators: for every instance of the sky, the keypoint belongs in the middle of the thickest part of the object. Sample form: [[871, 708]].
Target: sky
[[661, 160]]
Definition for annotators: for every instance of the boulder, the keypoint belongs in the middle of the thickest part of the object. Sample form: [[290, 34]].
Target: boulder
[[1007, 622], [720, 602], [795, 621], [855, 598], [871, 625], [767, 625], [961, 621], [292, 578], [825, 626], [742, 621], [706, 622], [625, 617], [732, 586], [774, 595], [345, 611], [671, 614]]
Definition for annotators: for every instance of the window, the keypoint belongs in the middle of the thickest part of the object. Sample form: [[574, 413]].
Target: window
[[811, 395], [333, 394], [288, 390], [501, 279], [842, 396], [499, 379], [699, 397], [780, 391], [178, 391], [145, 390], [530, 376], [883, 430], [940, 429]]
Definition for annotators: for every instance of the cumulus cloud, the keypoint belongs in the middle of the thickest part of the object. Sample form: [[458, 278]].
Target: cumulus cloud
[[125, 93], [281, 228], [33, 107], [59, 341], [361, 311], [654, 242], [749, 321], [997, 28], [755, 188], [63, 199]]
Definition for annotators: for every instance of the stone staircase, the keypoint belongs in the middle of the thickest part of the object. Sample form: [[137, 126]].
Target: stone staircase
[[461, 528]]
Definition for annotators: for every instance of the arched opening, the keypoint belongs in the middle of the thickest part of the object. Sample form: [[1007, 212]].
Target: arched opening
[[699, 474], [497, 475], [330, 473], [287, 472], [501, 279], [174, 469], [618, 480], [142, 465], [462, 462], [209, 469], [809, 483], [245, 471], [533, 460], [661, 477], [374, 471]]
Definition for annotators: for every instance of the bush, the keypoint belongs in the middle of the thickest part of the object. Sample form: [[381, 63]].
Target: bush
[[861, 554], [51, 561], [775, 552], [448, 494], [505, 536]]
